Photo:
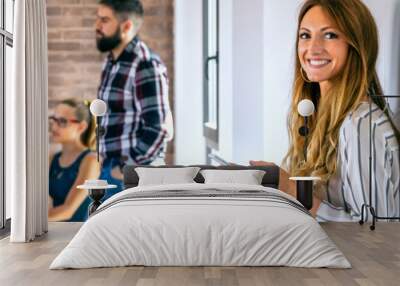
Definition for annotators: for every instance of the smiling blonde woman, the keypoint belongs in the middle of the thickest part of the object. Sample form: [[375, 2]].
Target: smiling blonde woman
[[337, 49]]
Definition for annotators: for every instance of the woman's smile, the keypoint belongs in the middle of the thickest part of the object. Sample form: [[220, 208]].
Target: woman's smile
[[318, 63]]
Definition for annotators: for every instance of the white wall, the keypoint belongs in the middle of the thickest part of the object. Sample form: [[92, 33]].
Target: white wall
[[241, 80], [189, 140], [248, 81], [387, 17], [280, 21]]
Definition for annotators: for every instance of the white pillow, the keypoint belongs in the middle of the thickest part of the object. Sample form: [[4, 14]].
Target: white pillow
[[166, 176], [248, 177]]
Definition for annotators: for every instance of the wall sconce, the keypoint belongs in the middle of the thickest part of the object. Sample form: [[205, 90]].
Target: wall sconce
[[304, 185]]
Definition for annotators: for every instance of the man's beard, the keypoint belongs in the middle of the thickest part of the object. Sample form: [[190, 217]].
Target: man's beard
[[105, 44]]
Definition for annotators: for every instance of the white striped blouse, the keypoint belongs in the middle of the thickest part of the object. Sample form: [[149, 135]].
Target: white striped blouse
[[348, 189]]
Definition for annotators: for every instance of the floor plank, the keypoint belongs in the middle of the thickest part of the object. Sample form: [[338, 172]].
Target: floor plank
[[374, 255]]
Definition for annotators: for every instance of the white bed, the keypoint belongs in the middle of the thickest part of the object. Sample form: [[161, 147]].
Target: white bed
[[224, 225]]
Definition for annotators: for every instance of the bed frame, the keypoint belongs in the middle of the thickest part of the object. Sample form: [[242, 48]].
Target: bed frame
[[270, 179]]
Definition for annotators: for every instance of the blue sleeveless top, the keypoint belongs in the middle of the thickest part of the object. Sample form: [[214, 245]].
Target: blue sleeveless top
[[62, 179]]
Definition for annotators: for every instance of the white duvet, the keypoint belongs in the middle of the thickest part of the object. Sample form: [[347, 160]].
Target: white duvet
[[203, 231]]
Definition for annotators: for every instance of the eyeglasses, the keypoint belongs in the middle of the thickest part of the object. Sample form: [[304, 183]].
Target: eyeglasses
[[62, 121]]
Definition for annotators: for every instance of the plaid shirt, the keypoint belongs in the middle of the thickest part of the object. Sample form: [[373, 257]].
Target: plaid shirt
[[135, 88]]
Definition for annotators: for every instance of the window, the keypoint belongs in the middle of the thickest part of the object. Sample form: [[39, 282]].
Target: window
[[6, 65], [211, 73]]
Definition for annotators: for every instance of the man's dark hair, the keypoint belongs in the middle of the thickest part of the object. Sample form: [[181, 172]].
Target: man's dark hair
[[125, 9]]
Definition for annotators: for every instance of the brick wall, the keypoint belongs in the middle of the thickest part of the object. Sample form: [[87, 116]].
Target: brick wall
[[74, 62]]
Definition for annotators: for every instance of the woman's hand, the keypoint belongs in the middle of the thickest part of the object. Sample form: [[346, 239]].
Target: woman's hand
[[50, 202], [117, 174], [260, 163], [285, 185]]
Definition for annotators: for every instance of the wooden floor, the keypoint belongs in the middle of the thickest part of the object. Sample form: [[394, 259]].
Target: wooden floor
[[375, 257]]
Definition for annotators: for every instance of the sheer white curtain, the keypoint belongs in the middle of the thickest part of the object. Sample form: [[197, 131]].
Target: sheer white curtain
[[26, 123]]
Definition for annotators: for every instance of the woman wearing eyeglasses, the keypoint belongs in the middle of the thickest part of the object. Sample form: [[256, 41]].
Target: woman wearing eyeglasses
[[72, 126]]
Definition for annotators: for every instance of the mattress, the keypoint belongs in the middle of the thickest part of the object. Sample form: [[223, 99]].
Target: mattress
[[201, 225]]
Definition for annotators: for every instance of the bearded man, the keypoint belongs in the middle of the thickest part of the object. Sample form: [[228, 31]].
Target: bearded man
[[134, 85]]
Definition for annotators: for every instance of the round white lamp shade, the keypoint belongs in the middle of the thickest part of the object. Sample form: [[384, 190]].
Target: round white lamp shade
[[305, 107], [98, 107]]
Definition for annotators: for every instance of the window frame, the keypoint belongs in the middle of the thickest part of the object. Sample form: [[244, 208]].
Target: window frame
[[6, 39], [211, 134]]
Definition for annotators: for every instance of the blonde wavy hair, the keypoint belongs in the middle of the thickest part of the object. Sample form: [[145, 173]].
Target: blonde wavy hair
[[358, 79]]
